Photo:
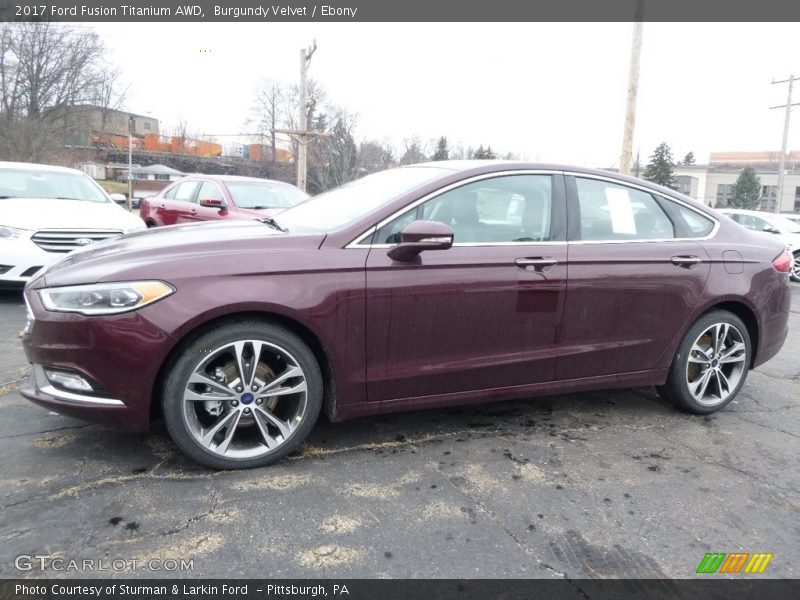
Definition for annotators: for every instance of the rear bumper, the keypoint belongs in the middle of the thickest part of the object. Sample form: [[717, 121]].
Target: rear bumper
[[774, 322]]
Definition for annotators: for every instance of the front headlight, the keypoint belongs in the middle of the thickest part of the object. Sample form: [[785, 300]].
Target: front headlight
[[10, 233], [104, 298]]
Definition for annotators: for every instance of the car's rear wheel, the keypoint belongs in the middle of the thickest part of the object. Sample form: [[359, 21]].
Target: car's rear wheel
[[242, 395], [711, 364]]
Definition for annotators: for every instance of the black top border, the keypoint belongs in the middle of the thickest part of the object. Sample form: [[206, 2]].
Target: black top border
[[322, 11]]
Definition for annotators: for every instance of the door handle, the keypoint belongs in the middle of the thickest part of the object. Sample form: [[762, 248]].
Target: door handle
[[539, 263], [685, 261]]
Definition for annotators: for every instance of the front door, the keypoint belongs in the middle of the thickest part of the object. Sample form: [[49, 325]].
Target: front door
[[483, 314]]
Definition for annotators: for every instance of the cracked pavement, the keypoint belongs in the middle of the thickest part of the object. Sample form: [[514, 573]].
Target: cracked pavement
[[592, 485]]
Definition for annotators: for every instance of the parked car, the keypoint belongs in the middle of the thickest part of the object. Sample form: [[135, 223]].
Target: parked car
[[213, 197], [122, 200], [410, 288], [46, 211], [793, 217], [773, 225]]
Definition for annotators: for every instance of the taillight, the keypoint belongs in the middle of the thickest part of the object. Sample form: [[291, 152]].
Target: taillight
[[783, 263]]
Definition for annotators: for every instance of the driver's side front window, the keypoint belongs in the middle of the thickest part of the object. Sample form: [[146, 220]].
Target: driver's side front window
[[507, 208]]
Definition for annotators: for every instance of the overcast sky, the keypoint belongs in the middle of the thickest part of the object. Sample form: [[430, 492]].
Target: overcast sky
[[545, 91]]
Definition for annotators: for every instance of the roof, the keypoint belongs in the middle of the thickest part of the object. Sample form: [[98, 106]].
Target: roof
[[158, 170], [243, 178]]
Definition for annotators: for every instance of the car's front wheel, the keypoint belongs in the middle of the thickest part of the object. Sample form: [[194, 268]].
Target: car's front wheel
[[242, 395], [711, 364], [795, 274]]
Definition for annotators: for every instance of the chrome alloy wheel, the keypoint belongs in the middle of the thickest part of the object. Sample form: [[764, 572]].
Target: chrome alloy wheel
[[796, 267], [716, 364], [245, 399]]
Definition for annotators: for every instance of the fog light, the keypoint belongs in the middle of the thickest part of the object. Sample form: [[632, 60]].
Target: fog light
[[68, 380]]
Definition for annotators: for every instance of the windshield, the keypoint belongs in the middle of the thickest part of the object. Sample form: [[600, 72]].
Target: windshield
[[258, 195], [352, 201], [24, 183]]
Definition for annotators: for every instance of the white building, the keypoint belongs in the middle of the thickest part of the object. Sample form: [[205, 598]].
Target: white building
[[712, 184]]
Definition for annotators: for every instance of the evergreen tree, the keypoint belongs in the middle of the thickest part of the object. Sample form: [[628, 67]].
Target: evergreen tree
[[688, 159], [661, 169], [746, 191], [442, 151], [487, 154]]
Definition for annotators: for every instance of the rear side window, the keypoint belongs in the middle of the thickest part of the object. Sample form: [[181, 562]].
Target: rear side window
[[612, 212], [170, 193]]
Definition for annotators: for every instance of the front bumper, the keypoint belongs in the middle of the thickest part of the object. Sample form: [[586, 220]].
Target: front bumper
[[24, 259], [121, 353]]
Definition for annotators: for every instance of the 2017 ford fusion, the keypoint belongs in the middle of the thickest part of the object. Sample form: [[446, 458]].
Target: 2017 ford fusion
[[422, 286]]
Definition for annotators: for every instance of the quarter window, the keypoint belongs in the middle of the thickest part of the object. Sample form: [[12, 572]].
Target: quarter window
[[511, 208], [692, 223], [615, 212]]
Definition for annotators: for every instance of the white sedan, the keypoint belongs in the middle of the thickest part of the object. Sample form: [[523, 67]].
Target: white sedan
[[47, 211]]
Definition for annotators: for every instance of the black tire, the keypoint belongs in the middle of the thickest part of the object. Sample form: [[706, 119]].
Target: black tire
[[184, 419], [677, 387], [794, 275]]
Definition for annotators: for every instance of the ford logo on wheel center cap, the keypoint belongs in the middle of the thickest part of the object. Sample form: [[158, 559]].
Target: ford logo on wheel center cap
[[247, 398]]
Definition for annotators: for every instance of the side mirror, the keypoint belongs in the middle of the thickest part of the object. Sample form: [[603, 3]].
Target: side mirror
[[419, 236], [214, 203], [770, 229]]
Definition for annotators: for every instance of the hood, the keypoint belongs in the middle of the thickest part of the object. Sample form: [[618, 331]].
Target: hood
[[222, 248], [48, 213]]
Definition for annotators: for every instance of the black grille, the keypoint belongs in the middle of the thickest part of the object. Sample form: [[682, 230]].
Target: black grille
[[31, 272]]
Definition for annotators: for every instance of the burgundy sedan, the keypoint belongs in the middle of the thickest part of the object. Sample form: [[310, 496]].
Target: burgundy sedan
[[213, 197], [430, 285]]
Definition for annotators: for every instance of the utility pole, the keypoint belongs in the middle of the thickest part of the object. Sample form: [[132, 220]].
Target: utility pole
[[131, 125], [626, 158], [302, 134], [782, 161]]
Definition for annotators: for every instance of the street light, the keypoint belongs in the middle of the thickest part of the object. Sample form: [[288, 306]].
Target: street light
[[131, 127]]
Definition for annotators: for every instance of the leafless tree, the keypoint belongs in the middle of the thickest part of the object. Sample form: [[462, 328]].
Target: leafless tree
[[333, 160], [45, 69], [374, 156], [413, 152], [269, 110]]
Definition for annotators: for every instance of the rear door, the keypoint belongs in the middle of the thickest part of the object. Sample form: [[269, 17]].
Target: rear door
[[636, 270]]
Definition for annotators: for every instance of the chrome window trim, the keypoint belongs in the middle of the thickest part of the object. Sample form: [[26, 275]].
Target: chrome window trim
[[356, 243], [641, 188]]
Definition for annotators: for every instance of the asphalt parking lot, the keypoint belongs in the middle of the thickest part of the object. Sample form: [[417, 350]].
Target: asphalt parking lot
[[592, 485]]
